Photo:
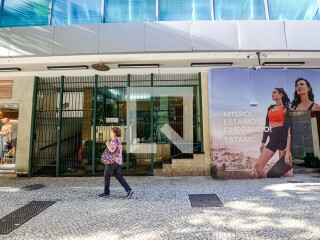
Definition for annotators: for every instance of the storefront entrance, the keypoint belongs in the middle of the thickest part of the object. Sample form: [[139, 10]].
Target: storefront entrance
[[9, 113], [159, 115]]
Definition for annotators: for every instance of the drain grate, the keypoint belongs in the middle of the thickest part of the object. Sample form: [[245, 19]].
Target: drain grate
[[205, 200], [22, 215], [32, 187]]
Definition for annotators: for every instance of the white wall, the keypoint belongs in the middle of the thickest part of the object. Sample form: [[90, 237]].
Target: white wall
[[147, 37]]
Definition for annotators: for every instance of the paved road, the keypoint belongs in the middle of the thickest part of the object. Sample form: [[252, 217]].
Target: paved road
[[160, 208]]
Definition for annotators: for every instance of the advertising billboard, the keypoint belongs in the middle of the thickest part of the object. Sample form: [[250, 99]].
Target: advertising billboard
[[261, 119]]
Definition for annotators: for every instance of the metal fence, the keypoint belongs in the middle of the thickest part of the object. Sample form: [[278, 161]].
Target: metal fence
[[73, 117]]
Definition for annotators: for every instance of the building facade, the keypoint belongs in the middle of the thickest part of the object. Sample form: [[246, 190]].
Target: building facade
[[155, 57]]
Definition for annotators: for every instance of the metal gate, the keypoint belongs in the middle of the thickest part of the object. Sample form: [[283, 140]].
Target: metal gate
[[73, 117]]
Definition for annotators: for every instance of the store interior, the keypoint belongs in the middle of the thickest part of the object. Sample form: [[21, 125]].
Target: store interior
[[9, 114]]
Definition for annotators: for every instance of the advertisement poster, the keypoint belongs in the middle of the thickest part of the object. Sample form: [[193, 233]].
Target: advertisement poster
[[239, 101]]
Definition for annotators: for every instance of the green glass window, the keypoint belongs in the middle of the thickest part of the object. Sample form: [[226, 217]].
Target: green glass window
[[25, 13]]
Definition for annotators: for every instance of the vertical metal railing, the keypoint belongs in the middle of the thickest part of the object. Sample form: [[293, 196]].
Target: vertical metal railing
[[140, 123], [128, 137], [94, 129], [110, 111], [45, 122], [178, 119], [33, 122], [73, 117], [58, 150], [78, 141]]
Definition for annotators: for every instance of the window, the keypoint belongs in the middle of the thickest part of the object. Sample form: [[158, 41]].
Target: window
[[239, 10], [76, 12], [184, 10], [25, 13], [294, 10], [130, 10]]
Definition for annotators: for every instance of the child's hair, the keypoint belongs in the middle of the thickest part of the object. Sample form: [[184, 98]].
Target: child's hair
[[117, 131]]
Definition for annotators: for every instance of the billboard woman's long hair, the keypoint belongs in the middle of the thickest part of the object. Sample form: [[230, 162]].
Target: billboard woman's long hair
[[296, 98]]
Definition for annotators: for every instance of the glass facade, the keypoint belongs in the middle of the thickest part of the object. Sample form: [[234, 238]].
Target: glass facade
[[130, 11], [239, 10], [76, 12], [294, 10], [184, 10], [15, 13]]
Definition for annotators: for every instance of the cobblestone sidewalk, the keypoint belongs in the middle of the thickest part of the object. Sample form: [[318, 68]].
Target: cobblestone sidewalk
[[160, 208]]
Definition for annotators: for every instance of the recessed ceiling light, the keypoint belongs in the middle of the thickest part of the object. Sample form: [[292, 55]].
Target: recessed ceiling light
[[10, 69], [72, 67], [211, 64], [138, 65], [283, 63]]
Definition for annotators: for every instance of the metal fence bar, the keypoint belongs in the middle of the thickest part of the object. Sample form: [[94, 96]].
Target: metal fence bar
[[128, 132], [94, 143], [33, 122], [58, 151]]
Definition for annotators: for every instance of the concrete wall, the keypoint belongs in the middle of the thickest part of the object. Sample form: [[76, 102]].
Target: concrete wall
[[22, 93]]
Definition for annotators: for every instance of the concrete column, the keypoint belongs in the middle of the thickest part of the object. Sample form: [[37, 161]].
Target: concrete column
[[206, 122]]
